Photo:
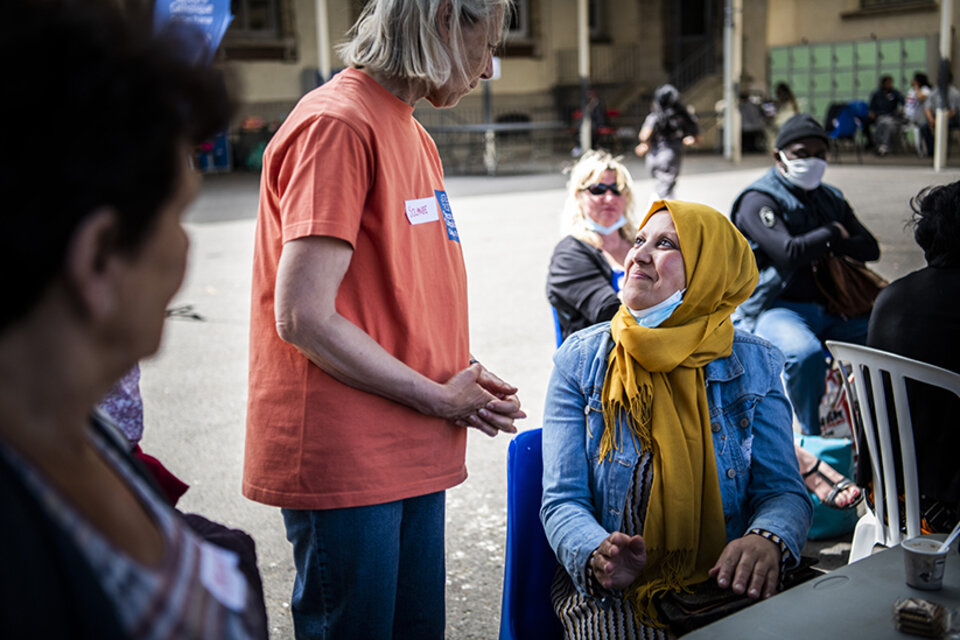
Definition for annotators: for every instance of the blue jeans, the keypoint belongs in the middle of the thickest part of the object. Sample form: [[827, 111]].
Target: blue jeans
[[798, 329], [369, 572], [926, 131]]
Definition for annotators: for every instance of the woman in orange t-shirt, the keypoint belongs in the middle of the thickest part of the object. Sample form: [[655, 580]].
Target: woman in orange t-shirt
[[361, 380]]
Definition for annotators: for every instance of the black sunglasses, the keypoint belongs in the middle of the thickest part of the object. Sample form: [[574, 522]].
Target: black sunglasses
[[600, 188]]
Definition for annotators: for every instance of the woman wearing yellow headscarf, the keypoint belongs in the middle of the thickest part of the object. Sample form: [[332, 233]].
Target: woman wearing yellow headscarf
[[667, 441]]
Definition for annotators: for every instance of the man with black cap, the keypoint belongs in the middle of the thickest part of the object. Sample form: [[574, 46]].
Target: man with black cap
[[791, 220]]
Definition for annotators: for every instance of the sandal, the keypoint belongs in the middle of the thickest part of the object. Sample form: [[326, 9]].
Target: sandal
[[837, 488]]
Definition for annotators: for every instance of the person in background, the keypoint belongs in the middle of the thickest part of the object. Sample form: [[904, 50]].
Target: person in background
[[885, 111], [587, 265], [915, 107], [665, 132], [951, 105], [786, 107], [124, 406], [657, 475], [917, 317], [361, 384], [91, 547], [792, 219], [598, 120]]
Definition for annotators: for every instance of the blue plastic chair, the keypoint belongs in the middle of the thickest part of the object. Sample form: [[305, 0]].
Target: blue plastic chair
[[845, 122], [526, 612], [557, 332]]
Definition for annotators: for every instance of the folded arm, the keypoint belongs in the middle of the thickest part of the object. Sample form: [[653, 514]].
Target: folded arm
[[859, 242]]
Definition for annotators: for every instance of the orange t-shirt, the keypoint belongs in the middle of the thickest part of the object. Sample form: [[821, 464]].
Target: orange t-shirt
[[351, 162]]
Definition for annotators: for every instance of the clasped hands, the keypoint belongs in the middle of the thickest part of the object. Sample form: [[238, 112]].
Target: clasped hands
[[475, 397], [750, 564]]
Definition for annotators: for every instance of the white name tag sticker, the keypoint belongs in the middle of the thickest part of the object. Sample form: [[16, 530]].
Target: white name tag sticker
[[422, 210], [222, 577]]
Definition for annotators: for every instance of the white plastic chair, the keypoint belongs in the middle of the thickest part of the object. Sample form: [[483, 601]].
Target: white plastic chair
[[882, 525]]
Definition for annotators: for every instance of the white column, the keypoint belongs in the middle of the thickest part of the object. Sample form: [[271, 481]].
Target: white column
[[583, 67], [737, 71], [732, 70], [941, 140], [323, 41]]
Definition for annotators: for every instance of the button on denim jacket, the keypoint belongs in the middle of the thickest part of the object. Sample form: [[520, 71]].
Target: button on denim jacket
[[750, 417]]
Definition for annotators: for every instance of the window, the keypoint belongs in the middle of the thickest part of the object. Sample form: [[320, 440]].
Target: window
[[519, 21], [596, 16], [255, 19], [261, 30]]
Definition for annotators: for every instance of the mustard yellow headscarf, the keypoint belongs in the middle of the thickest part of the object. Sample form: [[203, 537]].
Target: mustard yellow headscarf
[[655, 385]]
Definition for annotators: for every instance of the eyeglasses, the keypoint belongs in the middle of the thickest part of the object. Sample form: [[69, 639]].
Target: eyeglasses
[[600, 188]]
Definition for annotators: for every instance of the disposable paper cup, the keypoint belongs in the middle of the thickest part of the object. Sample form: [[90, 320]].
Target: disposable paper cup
[[923, 562]]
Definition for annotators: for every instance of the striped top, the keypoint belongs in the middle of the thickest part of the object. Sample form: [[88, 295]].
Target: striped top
[[586, 618], [197, 591], [604, 615]]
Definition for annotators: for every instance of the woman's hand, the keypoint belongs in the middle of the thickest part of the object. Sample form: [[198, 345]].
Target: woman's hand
[[618, 560], [689, 141], [641, 149], [477, 398], [751, 564]]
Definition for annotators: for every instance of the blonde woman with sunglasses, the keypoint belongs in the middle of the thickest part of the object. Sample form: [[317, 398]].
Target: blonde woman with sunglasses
[[587, 264]]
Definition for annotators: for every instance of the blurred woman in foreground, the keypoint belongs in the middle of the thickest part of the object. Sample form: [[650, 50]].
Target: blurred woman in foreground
[[94, 249]]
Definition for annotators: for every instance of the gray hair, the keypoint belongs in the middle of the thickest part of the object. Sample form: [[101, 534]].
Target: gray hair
[[587, 171], [400, 38]]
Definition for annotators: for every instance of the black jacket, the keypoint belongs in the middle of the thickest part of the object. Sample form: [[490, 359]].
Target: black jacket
[[580, 286], [917, 317]]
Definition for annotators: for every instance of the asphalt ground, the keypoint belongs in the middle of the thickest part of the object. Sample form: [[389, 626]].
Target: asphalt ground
[[195, 388]]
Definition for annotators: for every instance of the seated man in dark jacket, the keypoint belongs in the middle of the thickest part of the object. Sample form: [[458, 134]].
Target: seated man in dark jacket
[[792, 219], [885, 115]]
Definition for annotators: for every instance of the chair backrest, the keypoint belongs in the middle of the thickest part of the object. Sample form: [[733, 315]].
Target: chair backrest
[[529, 564], [860, 109], [832, 112], [878, 435], [616, 280], [557, 331], [845, 123]]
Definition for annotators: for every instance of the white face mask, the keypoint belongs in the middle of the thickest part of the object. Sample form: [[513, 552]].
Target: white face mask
[[805, 173], [654, 316], [595, 226]]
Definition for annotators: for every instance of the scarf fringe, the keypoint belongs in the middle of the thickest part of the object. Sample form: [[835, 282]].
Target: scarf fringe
[[639, 418], [645, 590]]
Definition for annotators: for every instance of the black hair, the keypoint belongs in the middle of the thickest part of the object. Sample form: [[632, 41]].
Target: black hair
[[784, 88], [936, 224], [921, 79], [101, 111]]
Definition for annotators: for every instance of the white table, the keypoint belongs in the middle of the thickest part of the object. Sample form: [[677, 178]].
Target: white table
[[855, 601]]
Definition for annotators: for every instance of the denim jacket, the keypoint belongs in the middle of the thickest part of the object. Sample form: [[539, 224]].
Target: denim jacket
[[750, 417]]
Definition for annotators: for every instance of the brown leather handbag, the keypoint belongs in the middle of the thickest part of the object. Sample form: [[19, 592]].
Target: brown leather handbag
[[849, 286]]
